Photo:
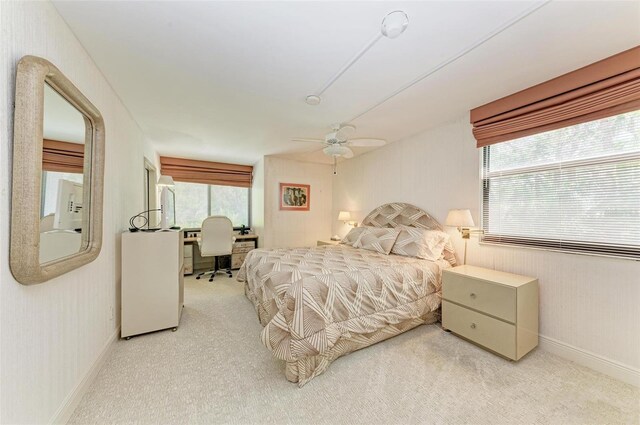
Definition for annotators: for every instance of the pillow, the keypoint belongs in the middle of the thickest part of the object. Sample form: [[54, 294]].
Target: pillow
[[352, 236], [421, 243], [379, 239]]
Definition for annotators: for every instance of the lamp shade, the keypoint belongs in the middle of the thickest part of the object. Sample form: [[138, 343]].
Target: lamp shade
[[166, 181], [459, 218], [344, 216]]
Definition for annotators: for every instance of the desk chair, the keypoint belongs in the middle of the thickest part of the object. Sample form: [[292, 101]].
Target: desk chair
[[216, 240], [46, 223]]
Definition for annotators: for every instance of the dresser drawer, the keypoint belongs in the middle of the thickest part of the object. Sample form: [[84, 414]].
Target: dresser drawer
[[237, 260], [242, 250], [491, 298], [243, 247], [491, 333]]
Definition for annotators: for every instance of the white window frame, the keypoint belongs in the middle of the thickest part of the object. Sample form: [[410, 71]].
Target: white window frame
[[248, 225], [530, 243]]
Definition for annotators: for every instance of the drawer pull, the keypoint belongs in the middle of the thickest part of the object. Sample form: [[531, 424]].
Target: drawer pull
[[473, 326], [473, 295]]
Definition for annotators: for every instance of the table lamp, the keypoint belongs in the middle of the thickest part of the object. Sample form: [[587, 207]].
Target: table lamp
[[345, 217], [164, 182], [463, 221]]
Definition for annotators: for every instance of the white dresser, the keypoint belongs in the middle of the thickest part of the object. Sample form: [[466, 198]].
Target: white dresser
[[152, 281], [496, 310]]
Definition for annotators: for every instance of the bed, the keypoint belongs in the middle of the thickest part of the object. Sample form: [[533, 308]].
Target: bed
[[318, 304]]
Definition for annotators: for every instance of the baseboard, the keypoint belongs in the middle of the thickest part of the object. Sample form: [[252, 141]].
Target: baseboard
[[65, 411], [593, 361]]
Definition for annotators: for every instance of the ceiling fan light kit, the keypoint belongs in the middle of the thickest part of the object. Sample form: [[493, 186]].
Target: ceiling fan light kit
[[337, 141], [338, 151], [393, 24]]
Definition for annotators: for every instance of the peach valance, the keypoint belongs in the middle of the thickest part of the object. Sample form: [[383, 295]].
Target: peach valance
[[602, 89], [63, 157], [206, 172]]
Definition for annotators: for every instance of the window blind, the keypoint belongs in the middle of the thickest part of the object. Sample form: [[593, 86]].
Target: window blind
[[574, 189]]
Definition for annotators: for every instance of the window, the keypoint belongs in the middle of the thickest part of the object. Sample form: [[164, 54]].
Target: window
[[195, 202], [49, 195], [573, 189]]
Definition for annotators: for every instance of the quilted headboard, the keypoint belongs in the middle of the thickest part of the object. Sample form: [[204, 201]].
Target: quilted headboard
[[393, 214]]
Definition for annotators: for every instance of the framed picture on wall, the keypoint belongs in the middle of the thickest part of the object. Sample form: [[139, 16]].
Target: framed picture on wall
[[295, 197]]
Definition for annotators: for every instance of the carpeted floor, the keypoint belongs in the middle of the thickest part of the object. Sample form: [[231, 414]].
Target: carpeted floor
[[215, 370]]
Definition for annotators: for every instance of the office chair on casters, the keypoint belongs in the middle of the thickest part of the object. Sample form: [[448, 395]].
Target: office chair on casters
[[216, 240]]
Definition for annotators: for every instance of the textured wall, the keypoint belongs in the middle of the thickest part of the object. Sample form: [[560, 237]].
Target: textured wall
[[588, 302], [296, 228], [52, 333]]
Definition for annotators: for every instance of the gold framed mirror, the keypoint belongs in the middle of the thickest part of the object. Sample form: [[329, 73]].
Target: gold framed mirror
[[58, 175]]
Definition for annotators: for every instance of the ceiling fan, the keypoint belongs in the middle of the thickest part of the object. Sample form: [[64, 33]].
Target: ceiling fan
[[337, 142]]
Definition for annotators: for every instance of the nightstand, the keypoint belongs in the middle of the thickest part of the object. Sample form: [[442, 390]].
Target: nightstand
[[328, 242], [496, 310]]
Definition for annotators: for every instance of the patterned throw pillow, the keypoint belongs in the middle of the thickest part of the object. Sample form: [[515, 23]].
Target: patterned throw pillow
[[380, 239], [421, 243], [352, 236]]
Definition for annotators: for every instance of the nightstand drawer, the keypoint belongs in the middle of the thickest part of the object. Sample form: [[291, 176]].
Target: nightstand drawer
[[491, 333], [491, 298]]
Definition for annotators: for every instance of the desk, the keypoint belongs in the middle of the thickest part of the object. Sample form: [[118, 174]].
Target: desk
[[193, 261]]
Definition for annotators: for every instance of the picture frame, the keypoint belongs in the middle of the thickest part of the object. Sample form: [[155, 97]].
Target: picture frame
[[295, 197]]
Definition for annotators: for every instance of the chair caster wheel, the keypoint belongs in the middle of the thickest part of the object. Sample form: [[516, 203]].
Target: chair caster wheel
[[210, 280], [198, 277], [174, 329]]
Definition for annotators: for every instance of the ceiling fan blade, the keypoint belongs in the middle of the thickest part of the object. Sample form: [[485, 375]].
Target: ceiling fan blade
[[361, 143], [348, 153], [308, 140]]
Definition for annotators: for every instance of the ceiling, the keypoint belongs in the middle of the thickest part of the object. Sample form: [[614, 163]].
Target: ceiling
[[226, 81]]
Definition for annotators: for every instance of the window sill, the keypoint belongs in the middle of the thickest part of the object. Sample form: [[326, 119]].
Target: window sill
[[558, 250]]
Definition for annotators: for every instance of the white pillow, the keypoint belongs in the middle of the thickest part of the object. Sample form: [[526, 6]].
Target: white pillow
[[379, 239], [352, 236], [421, 243]]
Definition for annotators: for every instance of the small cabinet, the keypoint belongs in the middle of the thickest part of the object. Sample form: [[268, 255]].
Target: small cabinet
[[496, 310], [152, 281], [241, 247], [327, 242], [188, 259]]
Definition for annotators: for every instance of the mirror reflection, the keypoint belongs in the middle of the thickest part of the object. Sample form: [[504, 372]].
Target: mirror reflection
[[63, 178]]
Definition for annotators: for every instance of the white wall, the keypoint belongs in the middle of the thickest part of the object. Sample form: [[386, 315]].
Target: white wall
[[587, 302], [51, 334], [257, 201], [296, 228]]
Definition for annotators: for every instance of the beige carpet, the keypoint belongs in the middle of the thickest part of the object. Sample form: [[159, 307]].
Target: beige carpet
[[214, 370]]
